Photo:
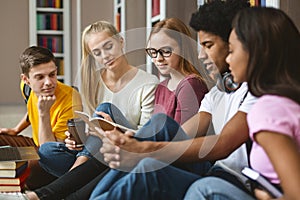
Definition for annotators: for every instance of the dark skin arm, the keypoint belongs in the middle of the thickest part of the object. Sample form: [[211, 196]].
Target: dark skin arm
[[284, 154], [213, 147]]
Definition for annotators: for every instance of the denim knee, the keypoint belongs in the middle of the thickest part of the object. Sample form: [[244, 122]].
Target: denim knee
[[50, 147], [56, 158], [149, 165], [104, 107]]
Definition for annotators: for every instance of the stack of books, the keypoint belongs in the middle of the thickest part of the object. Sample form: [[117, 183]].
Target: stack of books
[[13, 175], [14, 168]]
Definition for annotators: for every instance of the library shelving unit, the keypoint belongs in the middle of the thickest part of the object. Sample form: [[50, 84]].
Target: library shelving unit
[[49, 26], [156, 11], [266, 3], [119, 14]]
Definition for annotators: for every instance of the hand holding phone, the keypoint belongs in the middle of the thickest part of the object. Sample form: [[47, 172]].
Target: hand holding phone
[[261, 182]]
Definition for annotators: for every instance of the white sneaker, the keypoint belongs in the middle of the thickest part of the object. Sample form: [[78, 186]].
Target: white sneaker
[[13, 196]]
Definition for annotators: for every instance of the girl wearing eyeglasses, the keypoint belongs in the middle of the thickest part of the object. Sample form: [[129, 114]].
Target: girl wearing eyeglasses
[[174, 53]]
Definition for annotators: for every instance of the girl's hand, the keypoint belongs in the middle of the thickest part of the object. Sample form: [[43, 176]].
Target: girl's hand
[[261, 194], [104, 115]]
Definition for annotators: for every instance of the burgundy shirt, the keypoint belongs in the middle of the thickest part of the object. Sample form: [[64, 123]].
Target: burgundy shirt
[[182, 103]]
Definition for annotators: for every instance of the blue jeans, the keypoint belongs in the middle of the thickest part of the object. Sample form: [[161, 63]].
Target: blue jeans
[[145, 182], [214, 188], [57, 159], [152, 179]]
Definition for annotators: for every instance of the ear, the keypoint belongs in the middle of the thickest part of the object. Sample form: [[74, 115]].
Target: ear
[[121, 39], [25, 79]]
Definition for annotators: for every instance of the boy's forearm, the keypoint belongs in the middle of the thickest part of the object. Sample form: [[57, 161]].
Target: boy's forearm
[[45, 129], [22, 124]]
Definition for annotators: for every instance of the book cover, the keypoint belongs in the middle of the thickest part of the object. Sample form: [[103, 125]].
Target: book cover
[[101, 123], [8, 153], [16, 181], [13, 173], [261, 182], [11, 164]]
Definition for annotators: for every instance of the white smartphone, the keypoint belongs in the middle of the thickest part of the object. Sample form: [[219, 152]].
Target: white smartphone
[[262, 182]]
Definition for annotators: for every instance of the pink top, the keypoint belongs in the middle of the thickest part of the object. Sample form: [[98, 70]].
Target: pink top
[[183, 102], [276, 114]]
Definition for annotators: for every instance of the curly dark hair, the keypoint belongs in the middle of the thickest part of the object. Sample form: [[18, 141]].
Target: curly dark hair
[[216, 16]]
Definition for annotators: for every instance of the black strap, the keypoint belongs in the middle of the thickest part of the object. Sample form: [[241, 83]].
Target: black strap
[[249, 141], [26, 92]]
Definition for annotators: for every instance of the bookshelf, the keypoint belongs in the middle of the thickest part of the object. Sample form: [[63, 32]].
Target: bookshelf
[[156, 11], [266, 3], [119, 14], [49, 26]]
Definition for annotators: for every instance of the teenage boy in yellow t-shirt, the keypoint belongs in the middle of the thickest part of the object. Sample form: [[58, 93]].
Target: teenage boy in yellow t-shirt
[[50, 103]]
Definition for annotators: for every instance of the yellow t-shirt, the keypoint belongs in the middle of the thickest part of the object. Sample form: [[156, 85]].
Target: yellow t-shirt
[[67, 101]]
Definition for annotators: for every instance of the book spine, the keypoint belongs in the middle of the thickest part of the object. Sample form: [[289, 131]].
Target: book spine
[[155, 7]]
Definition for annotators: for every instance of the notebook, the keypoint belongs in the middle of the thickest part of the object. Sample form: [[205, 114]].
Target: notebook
[[18, 153]]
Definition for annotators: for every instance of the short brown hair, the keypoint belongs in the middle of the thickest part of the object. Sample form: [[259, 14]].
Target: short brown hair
[[33, 56]]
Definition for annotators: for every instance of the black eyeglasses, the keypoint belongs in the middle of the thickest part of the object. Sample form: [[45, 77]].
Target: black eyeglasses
[[164, 52]]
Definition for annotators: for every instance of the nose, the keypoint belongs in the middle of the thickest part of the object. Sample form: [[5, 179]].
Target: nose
[[227, 59], [202, 54], [48, 80], [105, 54], [159, 56]]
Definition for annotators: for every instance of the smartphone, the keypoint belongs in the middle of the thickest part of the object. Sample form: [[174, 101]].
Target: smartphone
[[261, 182]]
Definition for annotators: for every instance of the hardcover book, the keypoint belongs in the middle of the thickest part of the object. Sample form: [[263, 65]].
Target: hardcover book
[[15, 181], [18, 153], [13, 173], [11, 164]]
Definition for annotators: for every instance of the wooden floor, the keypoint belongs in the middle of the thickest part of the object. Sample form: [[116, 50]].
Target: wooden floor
[[10, 115]]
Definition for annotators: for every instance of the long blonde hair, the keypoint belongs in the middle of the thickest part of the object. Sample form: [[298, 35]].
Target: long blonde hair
[[89, 76]]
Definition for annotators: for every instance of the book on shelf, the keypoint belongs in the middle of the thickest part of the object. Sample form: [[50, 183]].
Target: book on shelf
[[261, 182], [101, 123], [49, 3], [263, 3], [155, 7], [118, 21], [252, 2], [15, 181], [13, 173], [257, 2]]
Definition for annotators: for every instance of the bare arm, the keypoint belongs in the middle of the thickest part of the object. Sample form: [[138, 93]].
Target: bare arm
[[197, 125], [283, 152], [45, 129], [213, 147], [17, 129]]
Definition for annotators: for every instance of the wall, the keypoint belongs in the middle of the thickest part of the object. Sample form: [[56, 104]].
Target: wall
[[292, 8], [15, 33], [91, 11], [13, 40]]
